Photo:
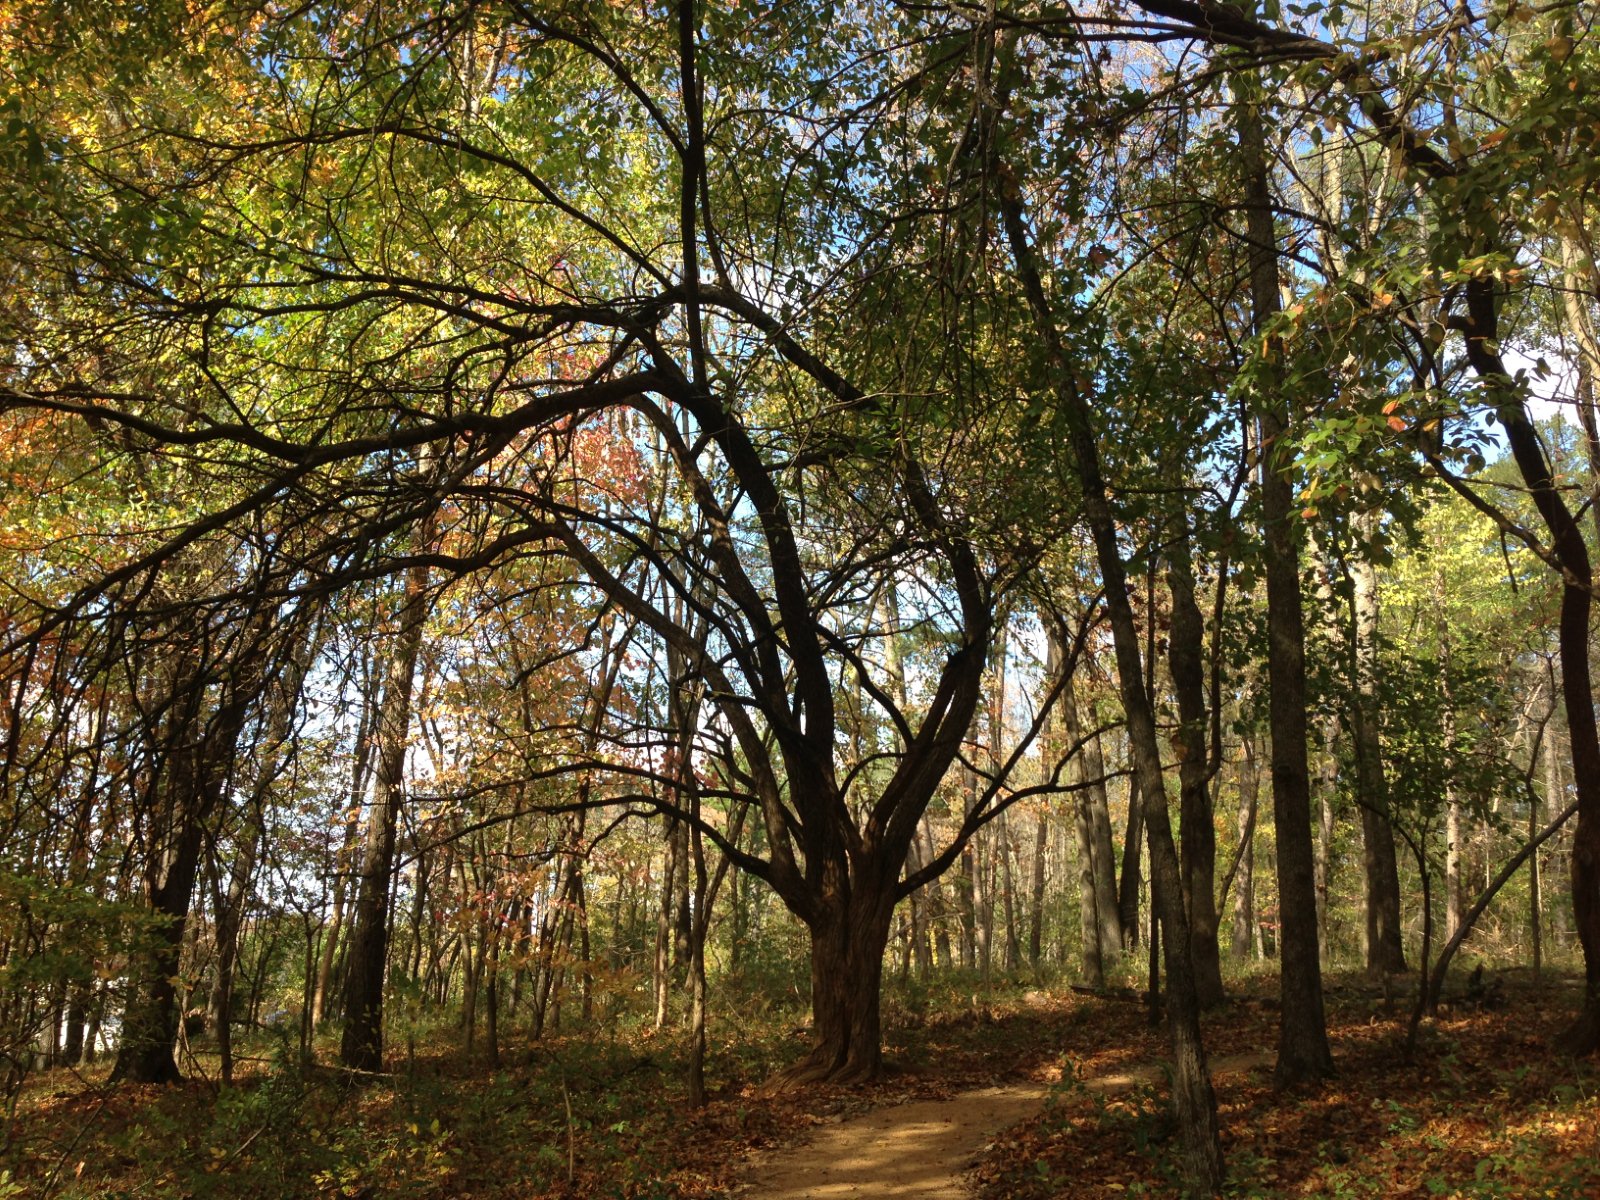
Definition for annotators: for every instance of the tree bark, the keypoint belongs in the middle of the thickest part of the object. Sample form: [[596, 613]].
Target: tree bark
[[1385, 947], [1091, 957], [1095, 841], [1041, 843], [1186, 663], [367, 954], [188, 782], [346, 853], [1193, 1099], [1303, 1053], [1453, 901], [229, 921], [1129, 883], [1245, 934]]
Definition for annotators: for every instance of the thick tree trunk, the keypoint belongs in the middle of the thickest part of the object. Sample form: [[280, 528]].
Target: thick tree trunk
[[188, 785], [346, 855], [77, 1016], [1303, 1053], [150, 1019], [849, 933]]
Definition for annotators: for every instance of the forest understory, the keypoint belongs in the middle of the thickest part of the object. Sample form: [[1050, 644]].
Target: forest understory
[[588, 588], [1482, 1109]]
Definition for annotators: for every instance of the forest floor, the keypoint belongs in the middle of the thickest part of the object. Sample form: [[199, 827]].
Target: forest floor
[[925, 1148], [1049, 1092]]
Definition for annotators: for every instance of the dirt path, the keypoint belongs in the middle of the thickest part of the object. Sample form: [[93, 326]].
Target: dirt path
[[923, 1148]]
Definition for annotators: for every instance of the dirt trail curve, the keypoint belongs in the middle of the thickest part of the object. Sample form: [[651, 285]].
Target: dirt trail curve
[[922, 1148]]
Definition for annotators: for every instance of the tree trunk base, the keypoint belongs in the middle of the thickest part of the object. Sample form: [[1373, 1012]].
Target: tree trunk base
[[147, 1069], [1582, 1037], [821, 1067], [1294, 1072]]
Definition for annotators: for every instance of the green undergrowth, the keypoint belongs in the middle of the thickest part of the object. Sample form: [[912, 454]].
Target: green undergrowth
[[1485, 1110], [567, 1116], [593, 1112]]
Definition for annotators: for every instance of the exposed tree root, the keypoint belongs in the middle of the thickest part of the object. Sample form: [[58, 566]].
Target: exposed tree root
[[820, 1067]]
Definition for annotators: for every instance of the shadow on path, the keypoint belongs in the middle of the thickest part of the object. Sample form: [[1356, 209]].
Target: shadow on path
[[923, 1148]]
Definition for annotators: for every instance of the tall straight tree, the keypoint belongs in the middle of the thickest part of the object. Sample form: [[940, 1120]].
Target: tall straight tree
[[1385, 949], [1193, 1099], [367, 955], [1186, 663], [1303, 1052]]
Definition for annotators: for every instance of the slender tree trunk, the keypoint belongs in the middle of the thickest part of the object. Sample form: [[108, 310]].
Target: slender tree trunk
[[188, 783], [1535, 921], [1130, 882], [1453, 901], [230, 920], [982, 889], [1385, 947], [1091, 957], [1324, 840], [1186, 662], [1303, 1053], [1004, 876], [346, 855], [1193, 1099], [966, 886], [367, 954], [1245, 934], [697, 977], [1098, 852], [940, 902], [1041, 842], [663, 959], [1555, 793], [1008, 890]]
